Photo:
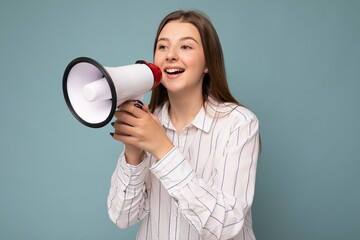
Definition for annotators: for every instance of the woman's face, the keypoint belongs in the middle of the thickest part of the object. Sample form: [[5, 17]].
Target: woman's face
[[180, 55]]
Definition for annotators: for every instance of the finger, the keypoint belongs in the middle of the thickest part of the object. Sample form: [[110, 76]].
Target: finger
[[125, 117], [121, 128], [126, 139], [145, 108], [124, 135], [134, 109], [136, 103]]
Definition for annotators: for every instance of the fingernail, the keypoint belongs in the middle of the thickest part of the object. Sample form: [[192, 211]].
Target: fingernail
[[138, 105], [140, 102], [112, 134]]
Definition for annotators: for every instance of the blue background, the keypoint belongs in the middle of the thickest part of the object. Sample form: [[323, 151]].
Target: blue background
[[294, 63]]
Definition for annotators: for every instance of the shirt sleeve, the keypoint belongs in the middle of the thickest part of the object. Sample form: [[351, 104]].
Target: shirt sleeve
[[216, 208], [128, 198]]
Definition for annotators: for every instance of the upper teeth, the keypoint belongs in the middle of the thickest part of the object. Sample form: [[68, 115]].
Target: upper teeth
[[173, 70]]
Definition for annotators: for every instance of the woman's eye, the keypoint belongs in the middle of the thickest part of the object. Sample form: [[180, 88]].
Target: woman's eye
[[185, 47], [161, 47]]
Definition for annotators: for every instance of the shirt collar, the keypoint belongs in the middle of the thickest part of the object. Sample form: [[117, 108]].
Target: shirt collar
[[203, 120]]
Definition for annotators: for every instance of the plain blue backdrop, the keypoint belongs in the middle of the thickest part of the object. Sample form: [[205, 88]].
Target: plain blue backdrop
[[294, 63]]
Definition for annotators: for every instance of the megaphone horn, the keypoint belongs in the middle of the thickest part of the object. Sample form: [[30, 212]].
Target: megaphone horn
[[92, 92]]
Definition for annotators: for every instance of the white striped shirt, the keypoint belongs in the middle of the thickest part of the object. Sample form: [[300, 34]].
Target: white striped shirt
[[202, 189]]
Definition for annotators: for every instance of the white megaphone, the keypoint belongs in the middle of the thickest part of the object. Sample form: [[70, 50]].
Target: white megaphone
[[93, 92]]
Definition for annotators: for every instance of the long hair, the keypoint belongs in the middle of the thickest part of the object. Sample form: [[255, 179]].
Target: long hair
[[215, 81]]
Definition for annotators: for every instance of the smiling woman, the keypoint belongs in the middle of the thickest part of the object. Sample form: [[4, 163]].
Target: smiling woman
[[179, 53], [189, 164]]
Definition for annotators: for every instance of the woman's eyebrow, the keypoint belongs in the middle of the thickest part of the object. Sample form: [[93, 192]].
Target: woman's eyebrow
[[181, 39], [188, 38], [163, 39]]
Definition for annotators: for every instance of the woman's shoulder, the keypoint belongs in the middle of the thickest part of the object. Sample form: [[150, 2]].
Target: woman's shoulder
[[244, 113], [235, 113]]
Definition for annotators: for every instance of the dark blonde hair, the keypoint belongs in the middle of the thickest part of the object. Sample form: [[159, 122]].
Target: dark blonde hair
[[214, 82]]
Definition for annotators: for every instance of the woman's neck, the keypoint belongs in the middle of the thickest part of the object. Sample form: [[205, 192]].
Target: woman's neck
[[183, 110]]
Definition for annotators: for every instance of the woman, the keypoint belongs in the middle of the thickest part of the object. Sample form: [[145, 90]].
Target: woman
[[189, 163]]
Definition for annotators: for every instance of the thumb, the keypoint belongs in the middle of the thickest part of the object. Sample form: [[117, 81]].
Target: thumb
[[147, 110]]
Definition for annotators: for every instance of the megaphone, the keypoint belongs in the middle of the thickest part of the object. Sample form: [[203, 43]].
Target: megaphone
[[93, 92]]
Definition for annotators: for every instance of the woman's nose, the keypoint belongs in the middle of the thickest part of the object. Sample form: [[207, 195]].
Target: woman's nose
[[171, 55]]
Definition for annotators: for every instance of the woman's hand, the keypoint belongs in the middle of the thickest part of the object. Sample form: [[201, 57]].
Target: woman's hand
[[140, 131]]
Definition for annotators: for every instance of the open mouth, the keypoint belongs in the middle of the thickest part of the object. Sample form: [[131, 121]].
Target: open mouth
[[174, 70]]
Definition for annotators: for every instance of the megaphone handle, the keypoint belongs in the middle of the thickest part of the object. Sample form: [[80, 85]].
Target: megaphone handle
[[140, 97]]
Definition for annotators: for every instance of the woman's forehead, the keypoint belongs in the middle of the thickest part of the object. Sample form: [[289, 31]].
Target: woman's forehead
[[177, 30]]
